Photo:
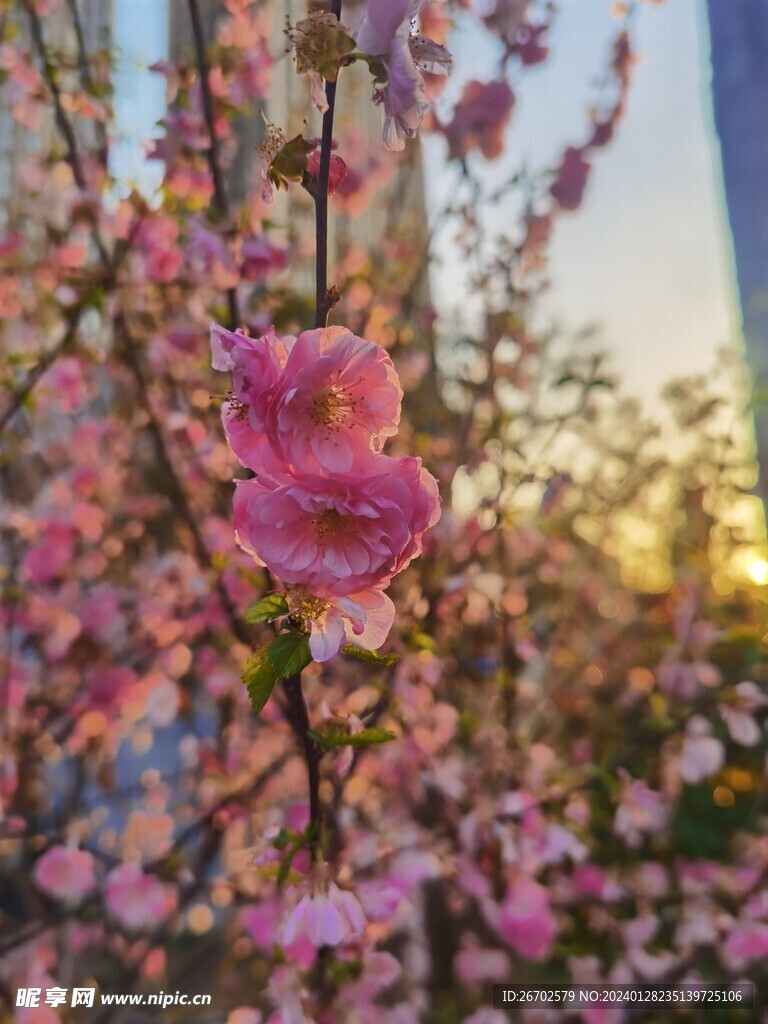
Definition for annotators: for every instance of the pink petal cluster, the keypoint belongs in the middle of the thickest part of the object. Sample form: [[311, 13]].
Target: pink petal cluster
[[65, 873], [641, 812], [137, 900], [480, 119], [525, 919], [327, 512], [326, 918], [385, 31]]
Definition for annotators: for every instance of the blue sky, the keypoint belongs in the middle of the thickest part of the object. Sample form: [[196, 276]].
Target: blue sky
[[647, 256], [141, 36]]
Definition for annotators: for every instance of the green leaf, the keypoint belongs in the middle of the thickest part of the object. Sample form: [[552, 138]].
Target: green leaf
[[336, 736], [289, 653], [260, 678], [268, 608], [374, 656], [367, 738]]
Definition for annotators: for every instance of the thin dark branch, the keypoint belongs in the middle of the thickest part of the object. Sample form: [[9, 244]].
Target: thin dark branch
[[46, 361], [86, 77], [213, 154], [324, 299], [299, 719], [62, 121]]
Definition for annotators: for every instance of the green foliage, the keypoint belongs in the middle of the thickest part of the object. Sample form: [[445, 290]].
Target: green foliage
[[289, 653], [703, 829], [337, 736], [372, 656], [260, 677], [284, 656], [268, 608], [288, 843]]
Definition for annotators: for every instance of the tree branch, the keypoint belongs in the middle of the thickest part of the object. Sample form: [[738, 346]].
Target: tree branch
[[212, 153], [324, 300], [299, 719], [62, 121]]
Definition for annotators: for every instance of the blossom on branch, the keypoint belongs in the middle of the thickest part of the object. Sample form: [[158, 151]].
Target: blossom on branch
[[327, 917], [339, 535], [399, 55], [327, 512]]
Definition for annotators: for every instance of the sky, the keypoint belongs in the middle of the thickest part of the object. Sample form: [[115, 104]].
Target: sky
[[647, 256], [141, 36]]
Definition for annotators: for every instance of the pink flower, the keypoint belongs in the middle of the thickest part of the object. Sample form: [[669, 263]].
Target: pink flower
[[748, 941], [210, 257], [261, 920], [703, 755], [327, 512], [106, 686], [327, 918], [48, 559], [739, 719], [256, 365], [479, 119], [525, 919], [337, 170], [384, 30], [65, 873], [260, 257], [137, 900], [339, 398], [322, 401], [244, 1015], [568, 188], [363, 620], [640, 812], [474, 964], [156, 239], [338, 536]]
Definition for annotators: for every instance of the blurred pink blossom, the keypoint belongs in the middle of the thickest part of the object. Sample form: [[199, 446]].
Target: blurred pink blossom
[[480, 119], [66, 873], [524, 919], [138, 900], [328, 918], [703, 754]]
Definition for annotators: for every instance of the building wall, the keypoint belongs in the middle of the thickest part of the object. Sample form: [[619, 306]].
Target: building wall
[[739, 45], [16, 143]]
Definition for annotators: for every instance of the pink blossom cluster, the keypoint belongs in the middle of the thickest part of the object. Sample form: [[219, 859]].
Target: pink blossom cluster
[[326, 512]]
